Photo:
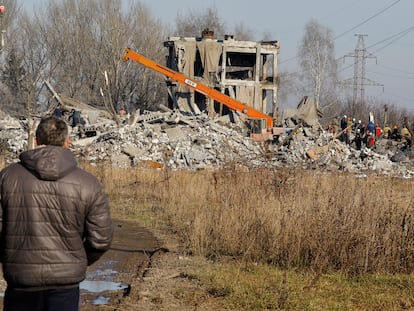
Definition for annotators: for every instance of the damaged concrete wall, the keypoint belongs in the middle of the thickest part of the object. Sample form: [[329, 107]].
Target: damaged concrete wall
[[243, 70]]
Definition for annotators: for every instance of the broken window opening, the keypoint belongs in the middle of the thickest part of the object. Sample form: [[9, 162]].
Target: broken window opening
[[268, 96], [240, 66], [243, 70], [198, 66]]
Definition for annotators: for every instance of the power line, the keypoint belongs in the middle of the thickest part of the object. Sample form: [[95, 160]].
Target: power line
[[368, 19], [393, 39], [397, 70], [353, 28], [398, 35], [344, 68], [383, 47], [360, 80], [391, 75]]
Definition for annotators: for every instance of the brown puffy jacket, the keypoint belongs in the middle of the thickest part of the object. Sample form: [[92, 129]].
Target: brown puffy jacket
[[55, 219]]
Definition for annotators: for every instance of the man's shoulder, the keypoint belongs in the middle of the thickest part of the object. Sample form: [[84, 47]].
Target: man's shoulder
[[84, 177], [11, 167], [83, 173]]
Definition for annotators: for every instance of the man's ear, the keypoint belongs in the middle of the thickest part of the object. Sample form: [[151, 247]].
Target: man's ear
[[67, 143], [35, 142]]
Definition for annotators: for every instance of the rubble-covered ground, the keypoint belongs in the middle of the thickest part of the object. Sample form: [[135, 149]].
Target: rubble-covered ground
[[176, 141], [169, 139]]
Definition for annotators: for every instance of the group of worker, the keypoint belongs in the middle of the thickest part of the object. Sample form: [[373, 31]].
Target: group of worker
[[74, 117], [367, 134]]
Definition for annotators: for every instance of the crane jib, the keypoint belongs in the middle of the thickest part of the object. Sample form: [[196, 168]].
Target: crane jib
[[190, 83], [199, 87]]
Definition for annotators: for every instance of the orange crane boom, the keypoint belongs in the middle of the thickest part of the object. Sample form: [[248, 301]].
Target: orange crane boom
[[198, 87]]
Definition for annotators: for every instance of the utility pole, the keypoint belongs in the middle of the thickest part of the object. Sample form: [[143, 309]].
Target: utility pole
[[385, 114], [360, 80]]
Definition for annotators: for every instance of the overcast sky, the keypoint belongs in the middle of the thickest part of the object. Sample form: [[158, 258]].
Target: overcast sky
[[387, 24]]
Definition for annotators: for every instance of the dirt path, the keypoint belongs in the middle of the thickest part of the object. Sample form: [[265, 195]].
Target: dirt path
[[152, 272], [157, 276], [130, 255]]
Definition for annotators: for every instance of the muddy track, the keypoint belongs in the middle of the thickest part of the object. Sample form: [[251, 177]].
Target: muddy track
[[149, 273], [127, 261]]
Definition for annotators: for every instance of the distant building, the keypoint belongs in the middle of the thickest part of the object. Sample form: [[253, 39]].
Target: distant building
[[243, 70]]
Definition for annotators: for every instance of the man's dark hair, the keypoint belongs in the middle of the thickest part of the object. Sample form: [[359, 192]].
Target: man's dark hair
[[52, 131]]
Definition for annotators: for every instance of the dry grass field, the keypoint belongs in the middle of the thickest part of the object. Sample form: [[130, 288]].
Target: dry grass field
[[281, 240]]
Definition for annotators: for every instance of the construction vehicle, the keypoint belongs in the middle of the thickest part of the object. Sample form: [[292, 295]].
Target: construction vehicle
[[262, 125]]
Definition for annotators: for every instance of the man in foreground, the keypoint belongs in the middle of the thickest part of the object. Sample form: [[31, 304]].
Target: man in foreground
[[55, 221]]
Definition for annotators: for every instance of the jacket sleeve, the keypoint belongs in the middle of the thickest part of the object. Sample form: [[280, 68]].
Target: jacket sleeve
[[99, 229], [92, 254]]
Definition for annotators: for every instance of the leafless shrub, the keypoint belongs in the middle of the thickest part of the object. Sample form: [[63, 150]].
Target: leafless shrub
[[289, 218]]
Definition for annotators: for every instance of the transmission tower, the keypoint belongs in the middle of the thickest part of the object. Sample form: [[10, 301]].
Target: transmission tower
[[360, 80]]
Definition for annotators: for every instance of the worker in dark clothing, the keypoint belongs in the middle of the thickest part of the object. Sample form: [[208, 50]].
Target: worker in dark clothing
[[344, 136], [395, 134], [76, 118], [54, 222], [357, 139], [344, 122], [58, 112]]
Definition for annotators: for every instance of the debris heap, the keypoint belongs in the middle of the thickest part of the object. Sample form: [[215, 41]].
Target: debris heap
[[176, 141]]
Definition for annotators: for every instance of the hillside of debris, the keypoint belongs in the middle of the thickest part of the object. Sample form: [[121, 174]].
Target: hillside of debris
[[170, 139]]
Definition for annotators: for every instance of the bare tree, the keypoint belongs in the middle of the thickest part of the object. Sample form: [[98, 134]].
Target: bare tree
[[72, 43], [242, 32], [12, 76], [32, 60], [316, 54], [194, 22], [7, 62], [267, 36], [27, 46], [6, 18], [139, 86], [84, 39]]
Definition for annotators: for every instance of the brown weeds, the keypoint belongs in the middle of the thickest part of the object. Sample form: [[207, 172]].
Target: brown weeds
[[290, 218]]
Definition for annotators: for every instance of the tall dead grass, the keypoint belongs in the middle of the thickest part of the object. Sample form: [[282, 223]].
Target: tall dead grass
[[290, 218]]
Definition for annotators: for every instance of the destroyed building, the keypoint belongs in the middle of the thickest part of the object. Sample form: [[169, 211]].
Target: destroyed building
[[243, 70], [193, 132]]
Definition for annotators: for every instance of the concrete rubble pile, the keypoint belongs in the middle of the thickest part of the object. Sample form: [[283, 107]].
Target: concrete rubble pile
[[176, 141]]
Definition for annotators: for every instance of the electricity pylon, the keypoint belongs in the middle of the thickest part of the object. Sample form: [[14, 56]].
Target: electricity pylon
[[360, 80]]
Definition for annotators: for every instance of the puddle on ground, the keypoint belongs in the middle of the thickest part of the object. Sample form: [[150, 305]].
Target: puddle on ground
[[100, 300], [101, 273], [100, 287], [93, 288], [98, 284]]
